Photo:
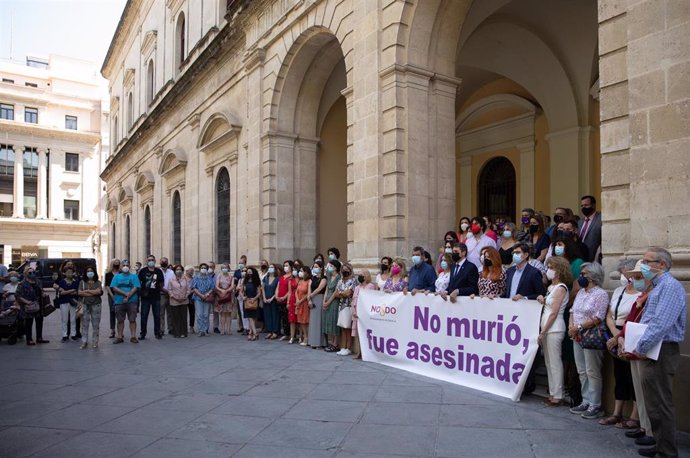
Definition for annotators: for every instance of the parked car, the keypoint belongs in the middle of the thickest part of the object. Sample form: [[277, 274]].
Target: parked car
[[48, 269]]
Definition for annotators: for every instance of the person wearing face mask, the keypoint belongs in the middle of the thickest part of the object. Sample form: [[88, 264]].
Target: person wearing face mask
[[477, 240], [397, 282], [319, 257], [569, 228], [522, 280], [241, 318], [665, 317], [590, 227], [203, 287], [263, 270], [9, 289], [250, 294], [523, 231], [284, 283], [225, 299], [385, 272], [643, 435], [178, 289], [90, 292], [317, 287], [168, 274], [28, 296], [539, 240], [67, 290], [114, 269], [492, 279], [302, 304], [363, 282], [191, 308], [333, 254], [344, 291], [125, 286], [622, 301], [559, 215], [238, 276], [152, 280], [552, 327], [464, 276], [422, 276], [447, 248], [443, 279], [329, 316], [270, 290], [463, 229], [507, 243], [588, 311]]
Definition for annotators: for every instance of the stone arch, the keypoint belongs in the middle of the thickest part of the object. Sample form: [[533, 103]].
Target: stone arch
[[494, 102]]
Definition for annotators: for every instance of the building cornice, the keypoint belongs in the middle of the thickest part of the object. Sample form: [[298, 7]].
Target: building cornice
[[124, 26], [38, 131]]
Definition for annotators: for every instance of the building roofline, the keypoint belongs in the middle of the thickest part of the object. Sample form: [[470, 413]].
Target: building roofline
[[116, 36]]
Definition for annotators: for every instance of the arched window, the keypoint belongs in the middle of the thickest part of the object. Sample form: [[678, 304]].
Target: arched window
[[177, 227], [180, 42], [130, 110], [150, 83], [127, 237], [496, 189], [223, 216], [147, 230], [113, 252]]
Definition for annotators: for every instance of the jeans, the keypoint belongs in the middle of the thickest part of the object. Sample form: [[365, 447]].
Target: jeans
[[146, 304], [202, 309], [589, 364], [69, 314]]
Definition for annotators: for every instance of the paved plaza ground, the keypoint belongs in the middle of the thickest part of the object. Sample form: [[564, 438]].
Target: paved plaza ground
[[224, 396]]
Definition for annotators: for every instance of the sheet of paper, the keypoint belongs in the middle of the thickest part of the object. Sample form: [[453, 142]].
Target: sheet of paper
[[633, 333]]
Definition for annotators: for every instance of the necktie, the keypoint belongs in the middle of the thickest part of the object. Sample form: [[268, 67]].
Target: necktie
[[585, 228]]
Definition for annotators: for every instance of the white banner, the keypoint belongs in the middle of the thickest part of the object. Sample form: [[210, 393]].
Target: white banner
[[488, 345]]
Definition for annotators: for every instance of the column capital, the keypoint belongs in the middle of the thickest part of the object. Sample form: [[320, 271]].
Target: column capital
[[18, 149]]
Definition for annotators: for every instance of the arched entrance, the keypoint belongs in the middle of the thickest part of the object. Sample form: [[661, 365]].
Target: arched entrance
[[308, 144], [496, 189]]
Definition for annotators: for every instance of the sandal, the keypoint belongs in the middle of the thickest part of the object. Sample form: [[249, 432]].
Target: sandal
[[610, 421], [628, 424], [553, 402]]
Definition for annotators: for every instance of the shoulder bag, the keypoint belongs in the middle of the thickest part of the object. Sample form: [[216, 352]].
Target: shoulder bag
[[345, 318]]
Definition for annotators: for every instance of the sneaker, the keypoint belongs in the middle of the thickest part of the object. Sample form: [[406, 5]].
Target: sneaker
[[345, 352], [582, 408], [95, 343], [304, 344], [592, 413]]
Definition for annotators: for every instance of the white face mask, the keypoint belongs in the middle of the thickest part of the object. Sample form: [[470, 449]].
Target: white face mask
[[286, 269], [301, 275], [624, 281], [550, 274], [464, 227]]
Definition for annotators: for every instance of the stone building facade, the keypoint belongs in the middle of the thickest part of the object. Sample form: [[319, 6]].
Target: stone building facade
[[51, 153], [278, 128]]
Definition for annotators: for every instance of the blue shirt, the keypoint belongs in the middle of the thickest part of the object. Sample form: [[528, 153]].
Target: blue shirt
[[422, 276], [204, 284], [665, 313], [515, 282], [125, 282]]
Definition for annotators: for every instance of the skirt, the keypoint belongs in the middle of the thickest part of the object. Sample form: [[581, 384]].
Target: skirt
[[315, 335], [330, 320], [302, 312]]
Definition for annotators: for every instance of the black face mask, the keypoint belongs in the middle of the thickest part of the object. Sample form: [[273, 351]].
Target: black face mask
[[164, 265], [488, 262], [360, 278], [583, 281], [116, 266], [587, 211], [456, 257], [557, 219], [384, 267], [264, 267], [533, 228]]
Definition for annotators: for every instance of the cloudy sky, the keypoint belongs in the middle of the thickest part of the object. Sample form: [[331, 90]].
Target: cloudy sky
[[77, 28]]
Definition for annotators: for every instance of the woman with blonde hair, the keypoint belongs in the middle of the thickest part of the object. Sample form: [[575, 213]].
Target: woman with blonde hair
[[552, 329], [225, 302], [492, 279], [398, 279]]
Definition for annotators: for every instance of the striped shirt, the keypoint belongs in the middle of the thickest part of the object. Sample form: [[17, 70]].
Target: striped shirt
[[665, 313]]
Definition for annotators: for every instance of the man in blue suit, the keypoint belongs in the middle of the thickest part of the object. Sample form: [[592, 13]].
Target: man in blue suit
[[522, 280], [464, 276]]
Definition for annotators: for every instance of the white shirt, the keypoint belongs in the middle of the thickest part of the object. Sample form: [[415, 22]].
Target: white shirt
[[168, 276], [626, 305], [442, 282], [475, 246]]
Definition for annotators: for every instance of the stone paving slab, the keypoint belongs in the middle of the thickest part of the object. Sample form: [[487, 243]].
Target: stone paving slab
[[225, 396]]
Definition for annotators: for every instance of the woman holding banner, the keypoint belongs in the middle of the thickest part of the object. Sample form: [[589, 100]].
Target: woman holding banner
[[492, 279], [398, 279], [552, 329]]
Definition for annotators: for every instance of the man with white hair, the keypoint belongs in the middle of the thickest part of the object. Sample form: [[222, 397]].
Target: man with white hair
[[665, 317]]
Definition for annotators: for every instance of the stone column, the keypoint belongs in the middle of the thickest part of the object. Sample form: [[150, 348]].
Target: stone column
[[42, 188], [18, 207], [305, 209], [526, 175]]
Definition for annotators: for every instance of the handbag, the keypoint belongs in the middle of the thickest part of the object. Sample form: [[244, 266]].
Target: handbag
[[225, 299], [32, 307], [595, 338], [251, 304], [345, 318], [48, 306], [79, 312]]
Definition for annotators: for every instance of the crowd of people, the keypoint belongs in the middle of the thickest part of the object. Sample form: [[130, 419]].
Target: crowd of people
[[315, 305]]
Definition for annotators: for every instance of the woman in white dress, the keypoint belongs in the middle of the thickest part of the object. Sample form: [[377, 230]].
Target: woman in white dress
[[385, 273]]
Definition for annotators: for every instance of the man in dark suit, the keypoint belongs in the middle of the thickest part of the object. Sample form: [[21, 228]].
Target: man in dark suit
[[590, 227], [522, 280], [464, 276]]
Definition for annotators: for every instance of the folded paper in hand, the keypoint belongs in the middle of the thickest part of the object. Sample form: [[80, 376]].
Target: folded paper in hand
[[633, 333]]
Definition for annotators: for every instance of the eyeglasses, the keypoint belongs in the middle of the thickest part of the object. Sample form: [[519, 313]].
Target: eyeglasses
[[647, 261]]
